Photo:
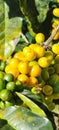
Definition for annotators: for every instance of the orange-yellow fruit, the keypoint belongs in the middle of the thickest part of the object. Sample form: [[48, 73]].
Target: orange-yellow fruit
[[40, 37], [39, 50], [55, 48], [23, 67], [23, 79], [49, 55], [34, 62], [55, 23], [35, 71], [12, 70], [14, 62], [32, 81], [58, 1], [29, 53], [56, 37], [56, 12], [32, 46], [43, 62], [20, 56]]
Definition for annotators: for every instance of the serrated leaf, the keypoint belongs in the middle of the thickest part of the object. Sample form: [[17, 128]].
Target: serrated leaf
[[31, 104], [21, 118]]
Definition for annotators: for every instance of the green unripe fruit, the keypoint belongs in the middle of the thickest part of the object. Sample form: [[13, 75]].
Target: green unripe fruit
[[51, 106], [2, 74], [56, 66], [45, 75], [57, 59], [53, 79], [11, 86], [2, 84], [2, 65], [2, 105], [48, 99], [51, 70], [56, 87], [47, 90], [5, 95], [8, 77], [18, 86], [56, 96]]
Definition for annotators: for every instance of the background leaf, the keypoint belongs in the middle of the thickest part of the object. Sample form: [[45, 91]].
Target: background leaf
[[10, 29], [2, 27], [38, 15]]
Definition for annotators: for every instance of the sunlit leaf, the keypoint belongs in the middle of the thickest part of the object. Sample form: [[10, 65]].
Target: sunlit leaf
[[21, 118], [31, 105], [10, 29]]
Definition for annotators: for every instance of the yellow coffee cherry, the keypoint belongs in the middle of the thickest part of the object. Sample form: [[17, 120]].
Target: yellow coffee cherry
[[32, 46], [33, 81], [20, 56], [23, 79], [14, 62], [34, 62], [49, 55], [56, 37], [23, 67], [29, 53], [43, 62], [35, 71], [57, 1], [55, 48], [55, 23], [12, 70], [39, 50], [56, 12], [40, 37]]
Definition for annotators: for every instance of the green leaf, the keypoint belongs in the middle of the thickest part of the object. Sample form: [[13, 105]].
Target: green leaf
[[42, 8], [13, 28], [7, 127], [21, 118], [2, 123], [29, 13], [32, 96], [10, 29], [38, 15], [2, 27], [31, 104]]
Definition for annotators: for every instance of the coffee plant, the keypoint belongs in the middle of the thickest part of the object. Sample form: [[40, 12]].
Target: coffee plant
[[29, 64]]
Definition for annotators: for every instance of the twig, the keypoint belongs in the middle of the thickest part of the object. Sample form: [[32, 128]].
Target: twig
[[23, 36], [46, 43]]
